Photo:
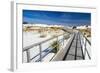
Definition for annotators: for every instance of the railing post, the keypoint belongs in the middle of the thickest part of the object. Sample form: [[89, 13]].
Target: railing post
[[28, 55], [84, 41], [63, 39], [40, 48], [86, 48]]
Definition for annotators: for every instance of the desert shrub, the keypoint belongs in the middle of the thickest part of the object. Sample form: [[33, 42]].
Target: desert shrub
[[42, 35], [89, 35], [55, 45]]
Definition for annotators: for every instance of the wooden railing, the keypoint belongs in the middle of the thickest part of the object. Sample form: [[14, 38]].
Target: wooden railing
[[86, 46], [27, 48]]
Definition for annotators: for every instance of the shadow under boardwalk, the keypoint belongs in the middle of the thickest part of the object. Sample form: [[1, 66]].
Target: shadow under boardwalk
[[75, 51]]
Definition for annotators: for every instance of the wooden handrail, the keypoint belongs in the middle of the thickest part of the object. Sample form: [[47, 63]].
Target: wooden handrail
[[86, 38], [28, 47], [85, 45]]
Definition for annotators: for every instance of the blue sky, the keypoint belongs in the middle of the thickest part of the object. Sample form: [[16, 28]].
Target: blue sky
[[57, 18]]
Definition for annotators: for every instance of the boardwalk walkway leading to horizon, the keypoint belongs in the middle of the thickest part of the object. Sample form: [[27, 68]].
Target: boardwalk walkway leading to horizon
[[75, 51]]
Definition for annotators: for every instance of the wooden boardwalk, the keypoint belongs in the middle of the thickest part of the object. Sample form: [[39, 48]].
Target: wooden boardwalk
[[75, 51], [78, 48]]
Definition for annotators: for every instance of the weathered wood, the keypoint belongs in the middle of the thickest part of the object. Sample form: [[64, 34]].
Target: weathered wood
[[28, 55]]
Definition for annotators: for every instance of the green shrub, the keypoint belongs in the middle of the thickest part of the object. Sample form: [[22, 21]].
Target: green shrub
[[55, 45]]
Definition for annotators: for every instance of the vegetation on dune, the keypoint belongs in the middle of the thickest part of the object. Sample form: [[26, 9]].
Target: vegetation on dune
[[86, 32], [43, 35]]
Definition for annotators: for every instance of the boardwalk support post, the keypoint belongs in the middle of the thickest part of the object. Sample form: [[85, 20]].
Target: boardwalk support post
[[40, 52]]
